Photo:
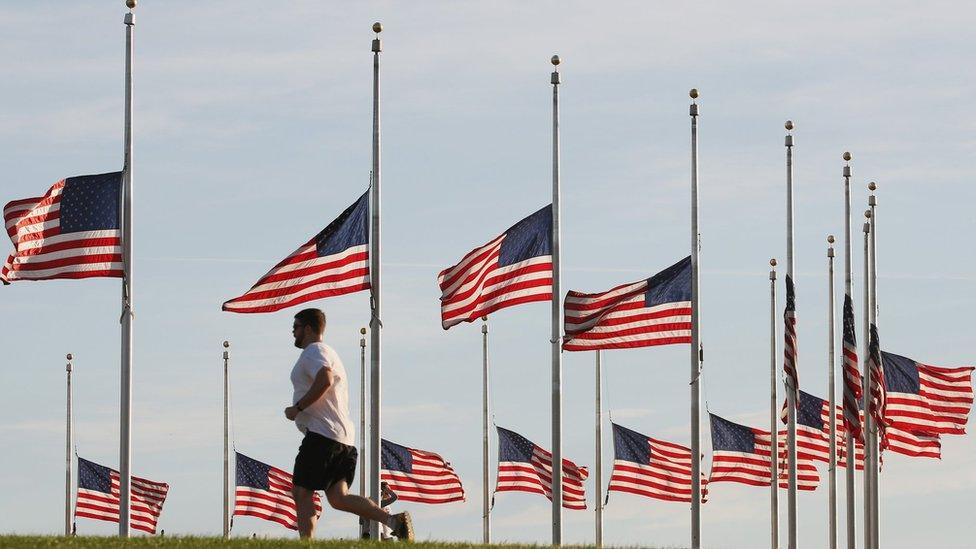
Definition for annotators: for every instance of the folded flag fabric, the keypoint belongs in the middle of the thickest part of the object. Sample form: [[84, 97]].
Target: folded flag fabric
[[514, 268], [264, 492], [99, 496], [651, 468], [791, 381], [526, 467], [73, 231], [927, 399], [852, 376], [334, 262], [419, 476], [654, 311]]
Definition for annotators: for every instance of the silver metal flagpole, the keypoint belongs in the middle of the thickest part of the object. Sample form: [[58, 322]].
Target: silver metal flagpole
[[696, 348], [557, 320], [226, 441], [599, 451], [790, 395], [67, 454], [363, 524], [866, 390], [849, 290], [773, 423], [876, 442], [375, 322], [485, 436], [831, 398], [125, 419]]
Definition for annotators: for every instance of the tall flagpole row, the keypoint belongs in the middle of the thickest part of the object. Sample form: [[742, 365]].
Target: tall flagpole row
[[363, 524], [790, 394], [832, 399], [485, 437], [849, 290], [876, 442], [557, 319], [375, 322], [598, 466], [226, 483], [696, 348], [67, 451], [125, 416], [866, 392], [773, 423]]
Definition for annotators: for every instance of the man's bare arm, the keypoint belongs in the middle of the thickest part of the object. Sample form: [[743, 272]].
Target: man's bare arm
[[323, 380]]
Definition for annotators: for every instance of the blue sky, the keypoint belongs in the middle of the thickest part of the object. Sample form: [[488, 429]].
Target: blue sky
[[252, 131]]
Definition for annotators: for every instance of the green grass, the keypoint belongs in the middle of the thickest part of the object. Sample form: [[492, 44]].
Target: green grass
[[204, 542]]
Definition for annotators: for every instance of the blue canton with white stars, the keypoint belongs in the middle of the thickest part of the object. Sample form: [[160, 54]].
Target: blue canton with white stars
[[92, 476], [396, 457], [91, 203], [732, 437], [513, 446], [251, 472]]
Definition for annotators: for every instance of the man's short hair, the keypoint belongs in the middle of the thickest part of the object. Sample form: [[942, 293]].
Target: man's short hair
[[313, 318]]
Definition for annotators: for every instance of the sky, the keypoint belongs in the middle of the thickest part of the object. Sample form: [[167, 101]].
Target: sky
[[252, 130]]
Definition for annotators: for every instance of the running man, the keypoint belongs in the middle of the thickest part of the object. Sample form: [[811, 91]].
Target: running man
[[327, 457]]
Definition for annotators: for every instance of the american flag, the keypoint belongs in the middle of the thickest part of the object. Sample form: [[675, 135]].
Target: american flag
[[655, 311], [334, 262], [70, 232], [852, 376], [742, 454], [419, 476], [651, 468], [98, 497], [877, 388], [525, 467], [791, 380], [264, 492], [927, 399], [512, 269]]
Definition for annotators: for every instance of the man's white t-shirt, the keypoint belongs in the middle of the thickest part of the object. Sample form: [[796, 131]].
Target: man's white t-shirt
[[329, 415]]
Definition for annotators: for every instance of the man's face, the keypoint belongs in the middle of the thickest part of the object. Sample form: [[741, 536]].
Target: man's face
[[298, 331]]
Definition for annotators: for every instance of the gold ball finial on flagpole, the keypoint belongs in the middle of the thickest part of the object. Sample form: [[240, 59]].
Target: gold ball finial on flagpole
[[68, 356], [362, 331], [693, 93], [484, 318], [830, 239], [226, 344], [377, 27], [555, 60], [872, 186], [131, 4], [772, 262], [847, 156], [789, 125]]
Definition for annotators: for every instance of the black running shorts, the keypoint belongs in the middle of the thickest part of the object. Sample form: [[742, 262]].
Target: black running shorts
[[321, 462]]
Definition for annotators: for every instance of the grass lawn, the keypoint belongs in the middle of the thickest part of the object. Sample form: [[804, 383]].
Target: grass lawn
[[192, 542]]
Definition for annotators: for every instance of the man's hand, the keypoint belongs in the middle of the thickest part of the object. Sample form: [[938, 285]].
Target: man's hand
[[291, 412]]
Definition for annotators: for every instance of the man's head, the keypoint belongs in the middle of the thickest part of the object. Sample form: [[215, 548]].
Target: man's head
[[308, 327]]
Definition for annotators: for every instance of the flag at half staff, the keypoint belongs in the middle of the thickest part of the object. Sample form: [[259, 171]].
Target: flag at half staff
[[334, 262], [525, 467], [655, 311], [791, 380], [512, 269], [651, 468], [73, 231], [742, 454], [98, 496], [852, 377], [927, 399], [419, 476], [264, 492]]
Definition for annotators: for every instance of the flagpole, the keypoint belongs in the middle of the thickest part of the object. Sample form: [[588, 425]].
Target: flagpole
[[67, 453], [599, 452], [375, 322], [556, 320], [125, 417], [773, 427], [363, 524], [696, 349], [849, 290], [832, 460], [485, 436], [876, 443], [226, 522], [868, 423], [790, 394]]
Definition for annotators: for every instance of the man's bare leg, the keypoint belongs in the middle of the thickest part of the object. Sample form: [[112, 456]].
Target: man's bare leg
[[305, 506], [341, 500]]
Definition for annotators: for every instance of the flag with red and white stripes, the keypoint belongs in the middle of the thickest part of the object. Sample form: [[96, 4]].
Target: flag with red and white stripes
[[791, 380], [73, 231], [419, 476], [927, 399], [334, 262], [99, 497], [651, 468], [654, 311], [743, 454], [877, 389], [852, 376], [512, 269], [264, 492], [526, 467]]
